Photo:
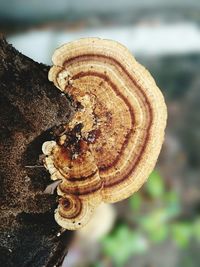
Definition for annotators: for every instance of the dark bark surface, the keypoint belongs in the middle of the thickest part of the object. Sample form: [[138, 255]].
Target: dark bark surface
[[30, 109]]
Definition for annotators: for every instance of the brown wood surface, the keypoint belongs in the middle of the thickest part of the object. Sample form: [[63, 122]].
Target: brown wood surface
[[30, 109]]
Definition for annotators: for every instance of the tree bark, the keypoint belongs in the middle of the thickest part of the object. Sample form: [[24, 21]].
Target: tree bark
[[30, 110]]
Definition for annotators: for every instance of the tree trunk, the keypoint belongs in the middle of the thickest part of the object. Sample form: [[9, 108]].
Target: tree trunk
[[31, 108]]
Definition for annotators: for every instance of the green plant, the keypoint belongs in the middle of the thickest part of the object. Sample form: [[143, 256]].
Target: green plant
[[153, 225]]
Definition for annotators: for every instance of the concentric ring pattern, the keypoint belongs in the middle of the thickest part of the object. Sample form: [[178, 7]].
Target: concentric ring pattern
[[111, 144]]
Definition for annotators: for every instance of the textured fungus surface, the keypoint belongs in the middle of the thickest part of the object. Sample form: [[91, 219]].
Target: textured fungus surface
[[111, 144]]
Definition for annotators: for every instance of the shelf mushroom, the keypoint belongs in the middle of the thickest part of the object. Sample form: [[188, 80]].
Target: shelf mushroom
[[110, 145]]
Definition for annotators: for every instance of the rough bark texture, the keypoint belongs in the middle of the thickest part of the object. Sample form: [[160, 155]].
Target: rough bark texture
[[30, 108]]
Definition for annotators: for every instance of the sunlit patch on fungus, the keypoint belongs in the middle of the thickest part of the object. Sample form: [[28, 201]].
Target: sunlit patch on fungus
[[110, 146]]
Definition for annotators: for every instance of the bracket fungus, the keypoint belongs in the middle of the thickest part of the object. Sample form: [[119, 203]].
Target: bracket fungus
[[110, 146]]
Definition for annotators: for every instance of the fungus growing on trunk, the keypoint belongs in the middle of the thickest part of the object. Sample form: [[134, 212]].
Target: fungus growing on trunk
[[111, 144]]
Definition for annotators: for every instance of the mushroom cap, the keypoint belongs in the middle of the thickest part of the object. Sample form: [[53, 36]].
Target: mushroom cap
[[112, 142]]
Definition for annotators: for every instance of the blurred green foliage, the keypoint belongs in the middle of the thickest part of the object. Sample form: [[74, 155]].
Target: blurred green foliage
[[181, 232], [136, 202], [155, 185], [155, 218], [122, 243], [196, 229]]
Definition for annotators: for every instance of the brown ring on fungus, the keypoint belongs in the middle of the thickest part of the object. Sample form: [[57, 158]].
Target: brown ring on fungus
[[111, 144]]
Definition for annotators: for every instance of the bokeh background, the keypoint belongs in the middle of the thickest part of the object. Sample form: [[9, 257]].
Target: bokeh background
[[159, 225]]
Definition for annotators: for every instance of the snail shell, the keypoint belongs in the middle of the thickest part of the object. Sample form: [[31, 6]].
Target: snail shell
[[111, 144]]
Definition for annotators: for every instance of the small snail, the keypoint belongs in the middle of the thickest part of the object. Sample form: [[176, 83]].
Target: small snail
[[110, 146]]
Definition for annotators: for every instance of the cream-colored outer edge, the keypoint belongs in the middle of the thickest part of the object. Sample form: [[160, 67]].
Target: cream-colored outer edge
[[144, 80], [74, 223]]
